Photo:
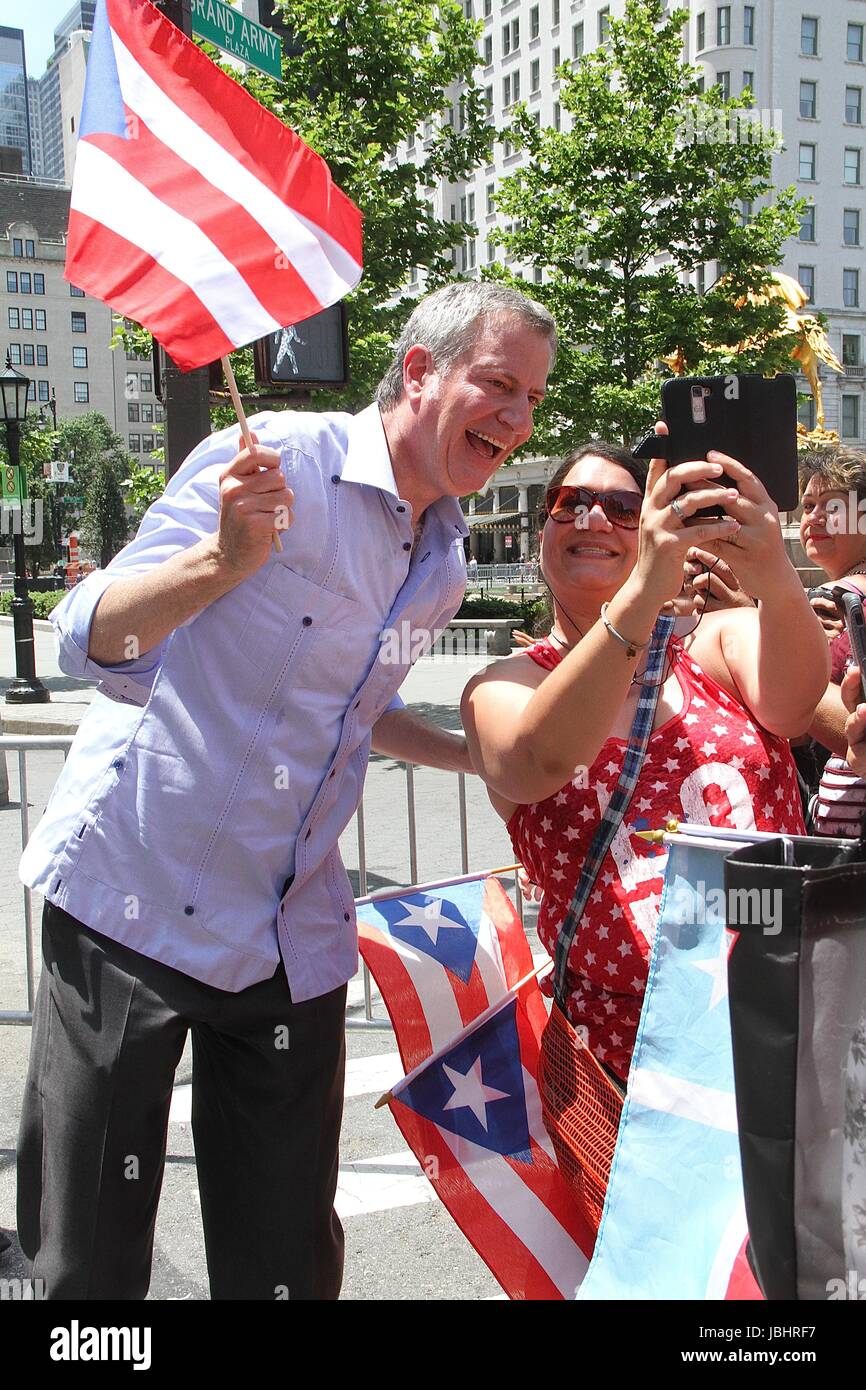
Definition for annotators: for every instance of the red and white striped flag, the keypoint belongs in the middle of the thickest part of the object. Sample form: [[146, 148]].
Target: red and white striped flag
[[195, 211]]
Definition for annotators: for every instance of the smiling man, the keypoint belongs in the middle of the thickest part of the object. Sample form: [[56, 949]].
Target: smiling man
[[188, 855]]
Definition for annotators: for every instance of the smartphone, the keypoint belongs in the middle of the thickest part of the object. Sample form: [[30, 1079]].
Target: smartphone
[[851, 605], [752, 418]]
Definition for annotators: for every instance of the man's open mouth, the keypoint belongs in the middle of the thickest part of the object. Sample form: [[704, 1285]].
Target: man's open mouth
[[485, 444]]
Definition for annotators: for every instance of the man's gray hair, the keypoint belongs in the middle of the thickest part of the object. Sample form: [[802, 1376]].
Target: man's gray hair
[[445, 323]]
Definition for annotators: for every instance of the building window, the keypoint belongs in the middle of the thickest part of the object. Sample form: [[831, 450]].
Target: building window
[[723, 82], [749, 25], [807, 224], [557, 116], [147, 443], [31, 391], [855, 43], [809, 36], [488, 101], [806, 276], [851, 350], [41, 320], [135, 443], [806, 413], [29, 358], [723, 25], [30, 250], [160, 413], [491, 199], [79, 357], [702, 32], [133, 413], [556, 62], [79, 321], [488, 50], [25, 282], [27, 318], [18, 247], [488, 8], [76, 292], [38, 283], [81, 392], [701, 279], [807, 162], [851, 289], [15, 354], [853, 105], [146, 414], [14, 318], [511, 89], [12, 282], [852, 166], [851, 227], [850, 417], [44, 393], [535, 76], [577, 40], [534, 24], [748, 81], [604, 24], [556, 7], [41, 355], [510, 37], [809, 100]]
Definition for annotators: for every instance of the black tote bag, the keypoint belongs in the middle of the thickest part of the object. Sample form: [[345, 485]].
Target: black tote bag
[[797, 995]]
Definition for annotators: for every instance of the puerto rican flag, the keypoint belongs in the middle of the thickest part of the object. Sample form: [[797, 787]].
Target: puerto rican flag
[[456, 974], [195, 211]]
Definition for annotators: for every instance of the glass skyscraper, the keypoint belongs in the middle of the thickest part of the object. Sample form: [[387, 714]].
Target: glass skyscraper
[[16, 155]]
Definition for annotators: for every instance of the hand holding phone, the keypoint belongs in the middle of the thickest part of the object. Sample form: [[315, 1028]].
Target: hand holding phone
[[851, 604]]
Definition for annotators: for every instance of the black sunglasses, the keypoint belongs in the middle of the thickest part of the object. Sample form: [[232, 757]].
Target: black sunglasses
[[566, 504]]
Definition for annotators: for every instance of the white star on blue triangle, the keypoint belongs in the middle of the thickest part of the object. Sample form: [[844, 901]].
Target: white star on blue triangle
[[444, 928], [476, 1090]]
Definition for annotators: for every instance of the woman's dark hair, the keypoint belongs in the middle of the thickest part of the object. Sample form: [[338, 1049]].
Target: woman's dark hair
[[599, 448]]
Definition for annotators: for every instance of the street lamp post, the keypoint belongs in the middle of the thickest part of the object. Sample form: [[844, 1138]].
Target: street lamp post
[[26, 688]]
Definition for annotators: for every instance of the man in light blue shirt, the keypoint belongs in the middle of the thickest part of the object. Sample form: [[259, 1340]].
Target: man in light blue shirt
[[188, 855]]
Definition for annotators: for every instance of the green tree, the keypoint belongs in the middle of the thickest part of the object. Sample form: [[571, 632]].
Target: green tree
[[142, 487], [104, 526], [366, 77], [653, 179], [98, 464]]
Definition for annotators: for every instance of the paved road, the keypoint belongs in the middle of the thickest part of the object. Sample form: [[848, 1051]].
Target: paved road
[[401, 1244]]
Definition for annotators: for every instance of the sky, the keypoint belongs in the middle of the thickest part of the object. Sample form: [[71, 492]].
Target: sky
[[40, 18]]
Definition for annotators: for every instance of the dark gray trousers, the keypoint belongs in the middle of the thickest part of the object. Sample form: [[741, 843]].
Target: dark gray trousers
[[267, 1097]]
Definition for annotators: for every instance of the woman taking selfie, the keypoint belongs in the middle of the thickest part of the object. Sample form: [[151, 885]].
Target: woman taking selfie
[[548, 727]]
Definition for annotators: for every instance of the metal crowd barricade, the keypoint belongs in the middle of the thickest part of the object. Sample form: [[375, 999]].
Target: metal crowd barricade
[[29, 743]]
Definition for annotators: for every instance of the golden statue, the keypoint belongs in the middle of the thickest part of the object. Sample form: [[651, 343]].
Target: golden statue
[[813, 345]]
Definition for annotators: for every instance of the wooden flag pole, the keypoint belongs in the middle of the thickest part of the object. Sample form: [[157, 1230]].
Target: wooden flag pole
[[243, 422]]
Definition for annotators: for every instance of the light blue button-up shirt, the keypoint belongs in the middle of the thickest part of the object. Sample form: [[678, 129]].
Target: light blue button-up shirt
[[231, 757]]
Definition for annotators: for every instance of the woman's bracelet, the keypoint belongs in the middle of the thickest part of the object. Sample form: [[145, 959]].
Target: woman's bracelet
[[632, 648]]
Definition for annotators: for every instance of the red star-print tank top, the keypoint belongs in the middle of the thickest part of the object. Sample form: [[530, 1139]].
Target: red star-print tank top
[[710, 764]]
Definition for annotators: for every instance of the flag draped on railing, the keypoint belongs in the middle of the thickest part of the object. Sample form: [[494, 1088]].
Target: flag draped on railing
[[195, 211]]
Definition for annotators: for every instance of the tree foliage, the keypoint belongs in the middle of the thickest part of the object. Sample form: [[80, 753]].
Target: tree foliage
[[653, 179]]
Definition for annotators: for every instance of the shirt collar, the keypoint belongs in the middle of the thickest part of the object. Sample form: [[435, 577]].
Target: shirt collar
[[367, 458], [368, 461]]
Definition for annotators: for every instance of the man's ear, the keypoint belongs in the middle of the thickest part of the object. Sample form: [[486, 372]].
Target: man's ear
[[417, 370]]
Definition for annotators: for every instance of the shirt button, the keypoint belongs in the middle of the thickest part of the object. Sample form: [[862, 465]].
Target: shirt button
[[332, 773], [308, 622], [347, 916], [189, 911], [407, 545], [335, 478], [401, 508], [118, 764]]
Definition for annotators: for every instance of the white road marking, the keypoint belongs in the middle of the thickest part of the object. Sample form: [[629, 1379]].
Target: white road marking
[[381, 1183]]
